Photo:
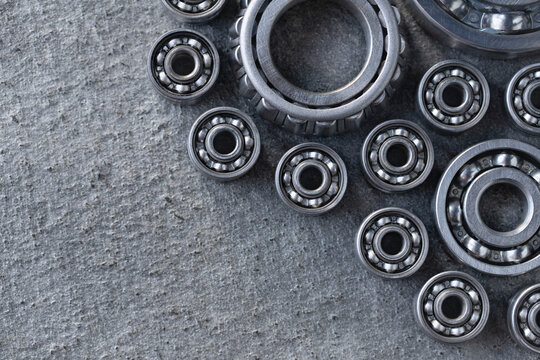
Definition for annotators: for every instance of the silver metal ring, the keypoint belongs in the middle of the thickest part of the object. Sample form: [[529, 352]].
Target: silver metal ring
[[458, 216], [524, 318], [395, 175], [453, 96], [452, 307], [311, 195], [224, 143], [305, 112], [392, 243], [523, 99], [183, 65], [194, 11]]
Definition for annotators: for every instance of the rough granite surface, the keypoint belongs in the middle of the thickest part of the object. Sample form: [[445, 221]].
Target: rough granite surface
[[113, 246]]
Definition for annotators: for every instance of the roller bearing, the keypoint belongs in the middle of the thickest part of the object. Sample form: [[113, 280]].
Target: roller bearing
[[453, 96], [502, 28], [523, 99], [458, 197], [194, 11], [392, 243], [183, 66], [301, 111], [452, 307], [524, 318], [224, 143], [311, 178], [397, 137]]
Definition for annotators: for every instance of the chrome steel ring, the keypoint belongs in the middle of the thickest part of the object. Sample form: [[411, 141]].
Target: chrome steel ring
[[194, 11], [397, 156], [457, 205], [523, 99], [183, 65], [453, 96], [524, 318], [452, 307], [224, 143], [306, 112], [392, 243], [504, 28], [311, 178]]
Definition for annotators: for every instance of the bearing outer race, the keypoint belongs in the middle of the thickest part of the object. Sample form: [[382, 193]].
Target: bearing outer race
[[512, 317], [440, 206]]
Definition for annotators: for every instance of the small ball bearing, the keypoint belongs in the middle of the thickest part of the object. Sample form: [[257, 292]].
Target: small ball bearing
[[311, 178], [523, 99], [397, 156], [461, 222], [524, 318], [194, 11], [392, 243], [453, 96], [183, 66], [452, 307], [224, 143]]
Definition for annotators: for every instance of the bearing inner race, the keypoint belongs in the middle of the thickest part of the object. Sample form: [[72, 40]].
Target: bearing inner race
[[454, 95], [301, 184], [385, 235], [400, 143], [219, 139], [531, 98], [183, 64], [533, 319], [453, 307]]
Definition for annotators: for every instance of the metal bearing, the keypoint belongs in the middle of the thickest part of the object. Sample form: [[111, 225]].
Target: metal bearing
[[397, 156], [452, 307], [503, 28], [453, 96], [523, 98], [183, 65], [524, 318], [392, 243], [306, 112], [194, 11], [224, 143], [311, 178], [457, 205]]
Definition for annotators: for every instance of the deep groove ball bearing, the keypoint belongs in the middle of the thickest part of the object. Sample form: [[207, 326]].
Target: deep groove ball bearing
[[452, 307], [458, 212], [306, 112], [523, 98], [524, 318], [224, 143], [183, 65], [194, 11], [392, 243], [453, 96], [397, 156], [311, 178]]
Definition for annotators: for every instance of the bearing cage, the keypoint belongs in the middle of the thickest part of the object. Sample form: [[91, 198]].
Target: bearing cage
[[523, 327], [518, 100]]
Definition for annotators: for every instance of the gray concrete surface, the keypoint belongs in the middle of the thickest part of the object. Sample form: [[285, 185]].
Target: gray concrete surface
[[112, 246]]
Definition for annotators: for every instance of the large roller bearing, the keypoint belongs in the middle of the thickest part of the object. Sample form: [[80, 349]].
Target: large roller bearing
[[458, 215], [319, 113]]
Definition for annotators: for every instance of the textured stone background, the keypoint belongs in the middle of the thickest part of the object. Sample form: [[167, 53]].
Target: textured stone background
[[113, 246]]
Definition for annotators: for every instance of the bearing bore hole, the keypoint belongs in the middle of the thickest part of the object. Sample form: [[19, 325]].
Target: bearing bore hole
[[537, 319], [311, 178], [503, 207], [392, 243], [318, 46], [453, 95], [183, 64], [397, 155], [535, 98], [452, 307], [224, 142]]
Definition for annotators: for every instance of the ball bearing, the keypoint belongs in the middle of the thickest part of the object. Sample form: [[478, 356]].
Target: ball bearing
[[194, 11], [224, 143], [523, 99], [524, 318], [397, 156], [311, 178], [306, 112], [452, 307], [459, 218], [183, 66], [392, 243], [453, 96]]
